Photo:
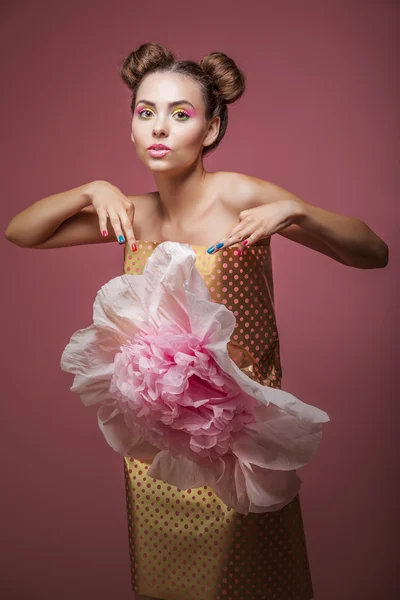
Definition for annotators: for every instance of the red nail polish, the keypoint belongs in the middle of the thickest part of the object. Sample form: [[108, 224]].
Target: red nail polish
[[104, 233], [133, 246], [244, 243]]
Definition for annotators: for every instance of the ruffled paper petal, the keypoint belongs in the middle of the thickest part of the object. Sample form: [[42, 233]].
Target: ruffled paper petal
[[124, 440], [156, 362], [117, 315], [242, 487], [168, 272], [180, 471], [119, 306], [89, 355]]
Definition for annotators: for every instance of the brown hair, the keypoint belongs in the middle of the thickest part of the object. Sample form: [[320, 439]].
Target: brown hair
[[221, 81]]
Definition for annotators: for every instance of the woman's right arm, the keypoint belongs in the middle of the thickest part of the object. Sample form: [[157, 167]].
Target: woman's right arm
[[74, 217]]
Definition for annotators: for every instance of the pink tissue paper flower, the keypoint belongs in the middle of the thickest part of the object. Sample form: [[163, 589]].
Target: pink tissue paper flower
[[155, 362]]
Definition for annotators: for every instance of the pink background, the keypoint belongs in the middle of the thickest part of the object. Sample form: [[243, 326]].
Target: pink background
[[320, 119]]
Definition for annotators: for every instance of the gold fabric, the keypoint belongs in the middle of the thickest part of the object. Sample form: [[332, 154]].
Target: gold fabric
[[187, 544]]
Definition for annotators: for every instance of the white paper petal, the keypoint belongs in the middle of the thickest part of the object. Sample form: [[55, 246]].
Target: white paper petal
[[168, 270], [125, 441]]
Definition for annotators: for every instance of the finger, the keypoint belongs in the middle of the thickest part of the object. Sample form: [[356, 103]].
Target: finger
[[237, 230], [116, 225], [251, 239], [102, 215], [127, 226], [232, 238]]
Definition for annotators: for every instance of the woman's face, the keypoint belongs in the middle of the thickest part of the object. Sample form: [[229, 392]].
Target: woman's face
[[170, 110]]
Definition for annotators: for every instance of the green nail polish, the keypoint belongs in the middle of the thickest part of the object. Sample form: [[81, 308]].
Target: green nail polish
[[219, 245]]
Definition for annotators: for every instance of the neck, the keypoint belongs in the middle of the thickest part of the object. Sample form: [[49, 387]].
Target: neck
[[180, 194]]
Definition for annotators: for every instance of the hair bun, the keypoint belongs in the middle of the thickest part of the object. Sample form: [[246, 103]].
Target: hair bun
[[145, 57], [228, 78]]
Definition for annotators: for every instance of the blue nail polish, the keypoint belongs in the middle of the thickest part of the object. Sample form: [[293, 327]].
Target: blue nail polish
[[219, 245], [211, 249], [121, 238]]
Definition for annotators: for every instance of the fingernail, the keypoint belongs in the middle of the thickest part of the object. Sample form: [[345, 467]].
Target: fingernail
[[219, 245], [211, 249], [104, 233], [244, 243], [239, 253], [133, 246], [121, 239]]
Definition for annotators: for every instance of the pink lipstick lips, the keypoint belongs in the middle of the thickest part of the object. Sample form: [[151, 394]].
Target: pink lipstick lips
[[158, 150]]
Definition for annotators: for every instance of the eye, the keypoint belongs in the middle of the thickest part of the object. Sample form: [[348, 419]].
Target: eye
[[185, 115], [145, 110]]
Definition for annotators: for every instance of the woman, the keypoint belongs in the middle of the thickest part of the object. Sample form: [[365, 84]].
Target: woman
[[187, 543]]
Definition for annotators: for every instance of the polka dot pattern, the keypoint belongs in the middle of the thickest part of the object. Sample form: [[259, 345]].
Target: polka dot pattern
[[187, 544]]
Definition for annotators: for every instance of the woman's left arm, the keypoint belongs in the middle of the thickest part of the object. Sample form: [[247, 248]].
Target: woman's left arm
[[265, 209], [350, 238]]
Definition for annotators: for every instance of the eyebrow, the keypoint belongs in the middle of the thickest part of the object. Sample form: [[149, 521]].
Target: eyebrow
[[170, 104]]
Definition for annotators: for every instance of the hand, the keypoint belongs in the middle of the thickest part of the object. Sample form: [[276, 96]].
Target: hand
[[260, 222], [110, 203]]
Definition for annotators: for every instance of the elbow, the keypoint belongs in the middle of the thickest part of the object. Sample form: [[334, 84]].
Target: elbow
[[376, 261], [10, 238], [379, 260], [382, 259], [381, 254], [385, 256]]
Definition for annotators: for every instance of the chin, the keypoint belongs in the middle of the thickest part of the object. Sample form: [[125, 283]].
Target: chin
[[159, 166], [163, 166]]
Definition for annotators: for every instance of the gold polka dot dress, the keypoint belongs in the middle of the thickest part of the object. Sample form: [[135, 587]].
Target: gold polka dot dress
[[187, 544]]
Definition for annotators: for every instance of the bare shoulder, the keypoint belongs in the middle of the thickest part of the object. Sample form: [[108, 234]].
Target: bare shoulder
[[241, 192]]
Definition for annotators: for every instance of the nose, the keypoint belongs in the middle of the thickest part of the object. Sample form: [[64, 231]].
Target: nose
[[159, 132], [160, 128]]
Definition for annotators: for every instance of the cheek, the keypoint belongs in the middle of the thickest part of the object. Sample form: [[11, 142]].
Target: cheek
[[191, 136], [137, 133]]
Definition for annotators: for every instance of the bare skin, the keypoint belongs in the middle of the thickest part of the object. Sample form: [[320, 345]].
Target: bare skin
[[216, 213]]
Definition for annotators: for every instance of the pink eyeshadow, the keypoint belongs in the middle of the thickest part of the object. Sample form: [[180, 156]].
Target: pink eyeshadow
[[190, 112]]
